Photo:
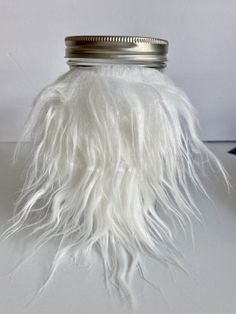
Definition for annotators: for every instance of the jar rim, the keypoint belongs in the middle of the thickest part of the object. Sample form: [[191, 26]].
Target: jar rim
[[100, 49]]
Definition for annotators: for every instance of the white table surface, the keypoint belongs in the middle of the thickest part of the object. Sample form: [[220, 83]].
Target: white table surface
[[209, 288]]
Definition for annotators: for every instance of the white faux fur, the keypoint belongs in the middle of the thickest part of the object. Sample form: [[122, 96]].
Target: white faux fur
[[113, 151]]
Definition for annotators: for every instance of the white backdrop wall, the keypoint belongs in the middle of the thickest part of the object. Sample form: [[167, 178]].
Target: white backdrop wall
[[201, 55]]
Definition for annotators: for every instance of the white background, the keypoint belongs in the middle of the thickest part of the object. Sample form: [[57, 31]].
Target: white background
[[201, 56]]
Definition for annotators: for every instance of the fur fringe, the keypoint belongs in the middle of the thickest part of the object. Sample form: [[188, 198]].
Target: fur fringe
[[114, 149]]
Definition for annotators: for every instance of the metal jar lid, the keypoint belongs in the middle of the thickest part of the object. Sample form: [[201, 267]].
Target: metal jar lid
[[90, 50]]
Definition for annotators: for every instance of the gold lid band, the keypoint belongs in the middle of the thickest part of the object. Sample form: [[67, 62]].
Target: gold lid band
[[89, 50]]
